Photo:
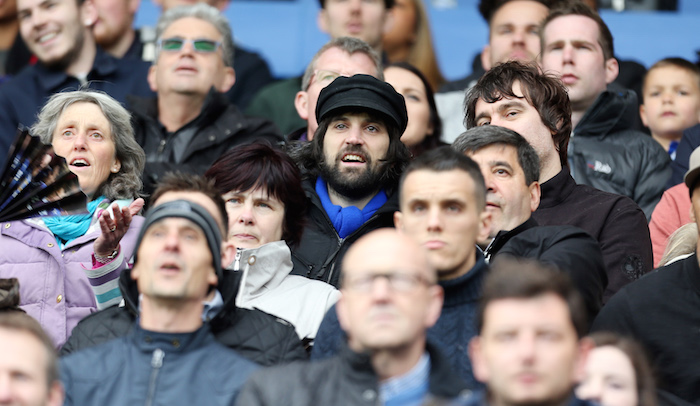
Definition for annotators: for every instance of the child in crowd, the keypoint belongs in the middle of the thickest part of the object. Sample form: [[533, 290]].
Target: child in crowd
[[671, 101]]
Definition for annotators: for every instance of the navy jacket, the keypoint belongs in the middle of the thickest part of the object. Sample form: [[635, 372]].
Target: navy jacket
[[151, 368], [23, 96], [451, 334]]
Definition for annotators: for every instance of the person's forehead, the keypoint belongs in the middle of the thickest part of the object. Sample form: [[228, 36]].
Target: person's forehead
[[30, 4], [382, 252], [572, 28], [482, 105], [545, 310], [338, 60], [519, 12], [437, 186], [498, 152], [191, 27], [194, 197]]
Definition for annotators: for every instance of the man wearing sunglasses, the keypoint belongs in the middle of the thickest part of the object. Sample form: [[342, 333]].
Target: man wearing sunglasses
[[191, 122], [390, 297]]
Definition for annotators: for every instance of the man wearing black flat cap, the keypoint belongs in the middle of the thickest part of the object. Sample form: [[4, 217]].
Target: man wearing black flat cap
[[351, 168]]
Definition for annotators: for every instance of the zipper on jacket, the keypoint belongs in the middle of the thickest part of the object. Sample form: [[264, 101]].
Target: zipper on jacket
[[156, 363], [237, 261]]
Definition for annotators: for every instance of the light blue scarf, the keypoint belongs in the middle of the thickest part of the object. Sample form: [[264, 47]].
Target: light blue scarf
[[68, 228]]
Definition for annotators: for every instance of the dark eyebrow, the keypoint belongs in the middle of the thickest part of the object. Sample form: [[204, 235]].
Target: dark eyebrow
[[510, 104], [501, 163]]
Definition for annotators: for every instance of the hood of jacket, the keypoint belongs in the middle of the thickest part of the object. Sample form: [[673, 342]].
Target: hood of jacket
[[262, 268], [613, 111]]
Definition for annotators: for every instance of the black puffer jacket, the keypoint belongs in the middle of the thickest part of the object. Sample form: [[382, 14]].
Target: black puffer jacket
[[256, 335], [347, 379], [568, 248], [320, 251], [604, 152], [219, 127]]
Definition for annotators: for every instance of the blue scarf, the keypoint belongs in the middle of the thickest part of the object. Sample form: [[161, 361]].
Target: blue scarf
[[347, 219], [68, 228]]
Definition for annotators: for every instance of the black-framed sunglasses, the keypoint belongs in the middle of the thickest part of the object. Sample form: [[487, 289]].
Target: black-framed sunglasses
[[199, 45]]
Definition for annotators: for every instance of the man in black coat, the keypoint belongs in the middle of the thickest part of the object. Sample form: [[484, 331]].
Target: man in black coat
[[535, 105], [351, 170], [191, 122], [511, 168], [661, 311]]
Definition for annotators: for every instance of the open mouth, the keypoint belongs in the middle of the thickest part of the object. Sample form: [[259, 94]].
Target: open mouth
[[353, 158], [80, 163], [47, 37]]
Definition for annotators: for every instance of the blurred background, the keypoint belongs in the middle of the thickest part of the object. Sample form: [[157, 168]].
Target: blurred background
[[285, 32]]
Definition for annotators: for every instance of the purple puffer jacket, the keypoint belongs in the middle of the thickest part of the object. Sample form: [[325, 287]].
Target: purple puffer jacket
[[54, 286]]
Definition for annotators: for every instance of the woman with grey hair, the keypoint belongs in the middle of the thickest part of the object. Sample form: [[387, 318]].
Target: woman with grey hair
[[68, 266]]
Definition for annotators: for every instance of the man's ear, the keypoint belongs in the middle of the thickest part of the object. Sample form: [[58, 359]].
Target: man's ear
[[437, 297], [535, 194], [134, 6], [484, 226], [322, 20], [398, 220], [476, 355], [228, 80], [228, 253], [643, 115], [151, 78], [389, 22], [341, 311], [585, 346], [301, 103], [88, 13], [486, 57], [612, 69], [56, 394]]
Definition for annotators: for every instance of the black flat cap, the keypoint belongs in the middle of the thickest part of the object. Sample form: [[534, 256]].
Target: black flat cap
[[365, 92]]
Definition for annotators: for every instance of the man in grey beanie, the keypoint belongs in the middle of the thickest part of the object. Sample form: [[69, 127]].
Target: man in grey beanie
[[170, 354]]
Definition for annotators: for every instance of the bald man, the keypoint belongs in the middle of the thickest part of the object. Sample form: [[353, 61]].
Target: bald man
[[390, 298]]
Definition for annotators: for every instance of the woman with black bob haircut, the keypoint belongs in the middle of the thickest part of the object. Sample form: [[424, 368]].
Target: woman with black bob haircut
[[265, 203]]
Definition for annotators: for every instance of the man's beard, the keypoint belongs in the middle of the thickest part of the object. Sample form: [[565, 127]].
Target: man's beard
[[354, 183]]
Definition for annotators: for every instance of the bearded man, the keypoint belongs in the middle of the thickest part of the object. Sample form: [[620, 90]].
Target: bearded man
[[352, 167]]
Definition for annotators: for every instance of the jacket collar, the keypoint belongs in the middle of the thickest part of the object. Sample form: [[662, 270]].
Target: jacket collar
[[263, 268], [614, 110], [442, 382], [150, 341], [215, 103], [504, 236], [52, 79], [557, 189]]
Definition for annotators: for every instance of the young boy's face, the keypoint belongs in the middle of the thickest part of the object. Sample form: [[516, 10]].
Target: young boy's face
[[671, 101]]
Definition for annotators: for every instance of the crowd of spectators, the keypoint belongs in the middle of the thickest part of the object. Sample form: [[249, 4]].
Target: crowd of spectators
[[365, 234]]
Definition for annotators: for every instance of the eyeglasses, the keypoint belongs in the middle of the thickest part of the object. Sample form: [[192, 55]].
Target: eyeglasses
[[199, 45], [398, 282], [324, 77]]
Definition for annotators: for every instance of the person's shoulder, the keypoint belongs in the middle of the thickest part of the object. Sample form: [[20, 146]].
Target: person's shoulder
[[607, 199], [94, 363]]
